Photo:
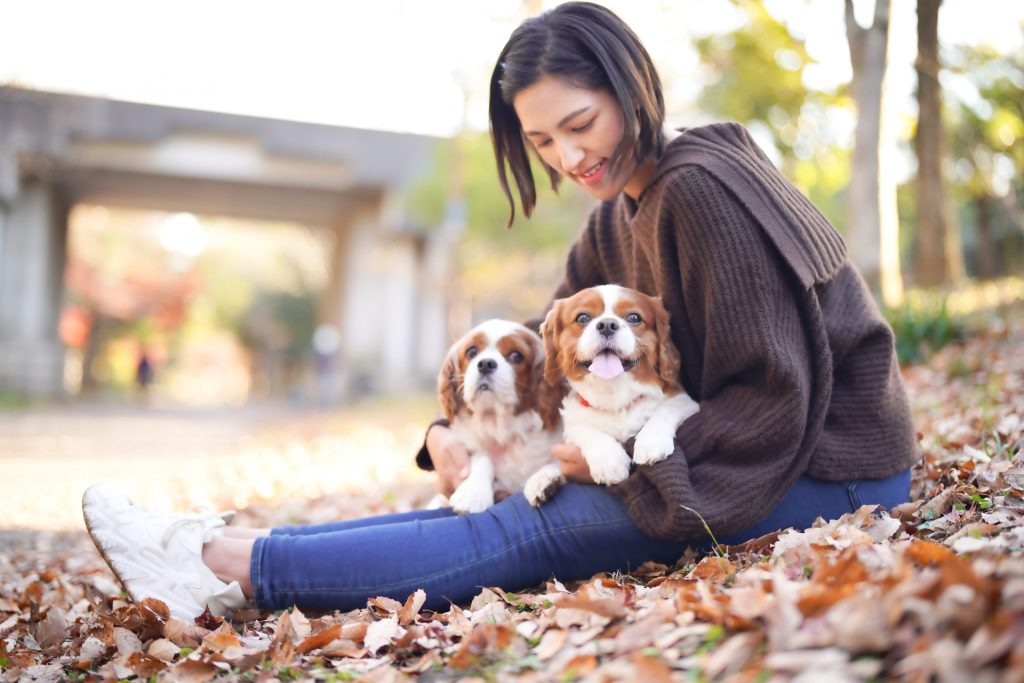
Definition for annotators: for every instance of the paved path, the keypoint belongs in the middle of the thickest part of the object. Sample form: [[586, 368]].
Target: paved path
[[266, 455]]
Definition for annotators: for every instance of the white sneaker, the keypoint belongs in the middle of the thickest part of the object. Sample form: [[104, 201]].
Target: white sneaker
[[159, 555]]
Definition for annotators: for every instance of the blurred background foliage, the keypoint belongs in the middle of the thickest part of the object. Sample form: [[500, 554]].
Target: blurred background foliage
[[256, 307]]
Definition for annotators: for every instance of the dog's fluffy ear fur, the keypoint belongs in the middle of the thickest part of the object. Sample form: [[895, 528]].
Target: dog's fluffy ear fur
[[547, 399], [667, 362], [449, 385], [550, 330]]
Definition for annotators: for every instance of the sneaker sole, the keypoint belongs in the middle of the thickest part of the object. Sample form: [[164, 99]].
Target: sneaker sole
[[89, 520]]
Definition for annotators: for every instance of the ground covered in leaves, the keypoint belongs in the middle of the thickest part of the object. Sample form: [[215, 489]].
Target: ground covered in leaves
[[933, 590]]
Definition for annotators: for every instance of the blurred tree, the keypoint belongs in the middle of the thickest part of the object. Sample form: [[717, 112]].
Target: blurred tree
[[873, 233], [939, 252], [755, 76], [113, 280], [494, 261], [986, 134]]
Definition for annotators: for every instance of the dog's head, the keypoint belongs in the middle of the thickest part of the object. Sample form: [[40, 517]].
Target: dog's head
[[606, 332], [498, 363]]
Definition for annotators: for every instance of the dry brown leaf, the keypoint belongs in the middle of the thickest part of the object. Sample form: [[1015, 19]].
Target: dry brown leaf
[[551, 643], [51, 630], [355, 632], [603, 607], [713, 568], [319, 640], [383, 605], [92, 649], [282, 647], [127, 642], [163, 649], [485, 641], [145, 665], [428, 660], [343, 647], [651, 669], [380, 634], [182, 634], [190, 671], [221, 639], [300, 623], [579, 666], [412, 606]]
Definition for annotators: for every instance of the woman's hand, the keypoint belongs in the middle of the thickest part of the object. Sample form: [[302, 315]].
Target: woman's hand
[[450, 457], [570, 458]]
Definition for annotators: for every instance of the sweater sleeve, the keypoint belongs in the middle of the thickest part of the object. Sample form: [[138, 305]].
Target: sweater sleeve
[[738, 456]]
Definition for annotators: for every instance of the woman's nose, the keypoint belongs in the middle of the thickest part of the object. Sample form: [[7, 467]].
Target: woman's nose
[[570, 156]]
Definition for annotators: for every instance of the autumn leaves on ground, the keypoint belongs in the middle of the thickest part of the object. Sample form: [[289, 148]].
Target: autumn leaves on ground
[[933, 590]]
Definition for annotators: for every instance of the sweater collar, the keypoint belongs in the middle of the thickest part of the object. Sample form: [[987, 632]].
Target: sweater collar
[[804, 237]]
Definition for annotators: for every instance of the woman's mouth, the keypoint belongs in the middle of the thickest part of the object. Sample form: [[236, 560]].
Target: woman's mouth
[[593, 174]]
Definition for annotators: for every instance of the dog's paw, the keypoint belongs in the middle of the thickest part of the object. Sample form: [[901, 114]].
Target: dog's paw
[[653, 445], [609, 467], [542, 484], [471, 497]]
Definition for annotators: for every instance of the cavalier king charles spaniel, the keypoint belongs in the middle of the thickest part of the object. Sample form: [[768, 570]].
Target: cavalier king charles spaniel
[[612, 345], [491, 391]]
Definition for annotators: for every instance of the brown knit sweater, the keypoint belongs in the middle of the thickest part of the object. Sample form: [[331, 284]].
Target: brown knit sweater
[[780, 339]]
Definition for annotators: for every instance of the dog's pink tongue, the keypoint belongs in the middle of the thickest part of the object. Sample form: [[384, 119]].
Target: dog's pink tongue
[[607, 365]]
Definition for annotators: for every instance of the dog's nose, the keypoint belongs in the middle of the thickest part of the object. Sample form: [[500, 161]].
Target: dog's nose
[[487, 365], [607, 327]]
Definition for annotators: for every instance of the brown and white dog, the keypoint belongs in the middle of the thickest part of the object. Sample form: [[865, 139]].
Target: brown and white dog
[[490, 387], [612, 344]]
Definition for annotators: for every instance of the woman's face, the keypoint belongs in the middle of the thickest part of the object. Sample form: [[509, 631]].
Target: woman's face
[[576, 131]]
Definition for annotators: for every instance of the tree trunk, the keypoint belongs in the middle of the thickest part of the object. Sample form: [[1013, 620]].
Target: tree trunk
[[986, 247], [939, 253], [873, 233]]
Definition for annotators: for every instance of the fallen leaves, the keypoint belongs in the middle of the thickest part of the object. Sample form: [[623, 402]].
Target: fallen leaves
[[932, 590]]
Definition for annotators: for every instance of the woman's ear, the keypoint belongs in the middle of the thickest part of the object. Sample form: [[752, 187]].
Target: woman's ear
[[667, 362], [449, 384]]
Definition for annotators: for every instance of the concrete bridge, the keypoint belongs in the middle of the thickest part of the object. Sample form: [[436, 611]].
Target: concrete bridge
[[386, 292]]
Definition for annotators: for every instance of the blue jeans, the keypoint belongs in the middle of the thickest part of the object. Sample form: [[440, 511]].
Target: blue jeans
[[581, 531]]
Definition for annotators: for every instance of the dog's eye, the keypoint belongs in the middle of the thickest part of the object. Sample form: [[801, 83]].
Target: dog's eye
[[633, 319], [584, 318], [471, 351], [515, 358]]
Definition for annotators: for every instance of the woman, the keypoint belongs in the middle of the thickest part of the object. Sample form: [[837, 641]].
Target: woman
[[802, 410]]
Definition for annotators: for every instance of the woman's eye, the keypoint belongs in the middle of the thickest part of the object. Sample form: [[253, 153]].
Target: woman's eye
[[633, 319], [543, 144], [584, 318], [586, 126], [515, 358], [471, 351]]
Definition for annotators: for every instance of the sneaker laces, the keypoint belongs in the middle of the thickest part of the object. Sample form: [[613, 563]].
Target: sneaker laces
[[200, 515]]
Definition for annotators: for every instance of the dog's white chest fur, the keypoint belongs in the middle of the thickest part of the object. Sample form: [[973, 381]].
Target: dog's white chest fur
[[619, 409], [516, 445], [611, 413]]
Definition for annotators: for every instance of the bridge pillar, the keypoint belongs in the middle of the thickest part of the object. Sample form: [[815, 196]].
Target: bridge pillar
[[384, 298], [33, 247]]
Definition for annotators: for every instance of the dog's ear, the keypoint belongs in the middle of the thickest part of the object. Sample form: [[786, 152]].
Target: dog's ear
[[548, 396], [449, 384], [667, 362], [550, 330]]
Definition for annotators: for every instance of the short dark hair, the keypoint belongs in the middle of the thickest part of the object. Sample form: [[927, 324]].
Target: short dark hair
[[590, 47]]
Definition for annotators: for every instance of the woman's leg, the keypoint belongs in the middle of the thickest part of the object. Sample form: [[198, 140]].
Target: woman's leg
[[811, 498], [228, 555], [309, 529], [581, 531]]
